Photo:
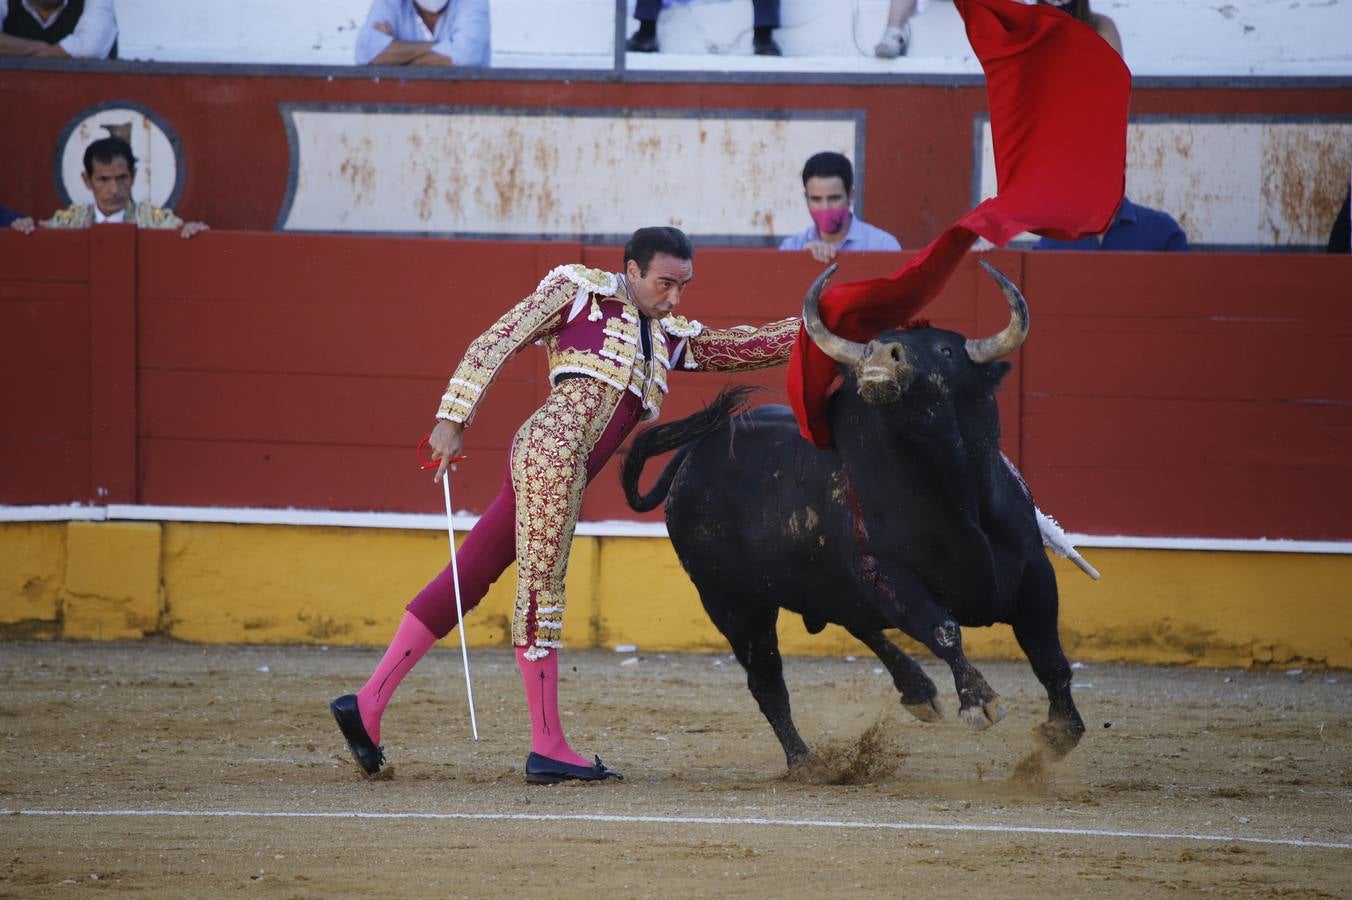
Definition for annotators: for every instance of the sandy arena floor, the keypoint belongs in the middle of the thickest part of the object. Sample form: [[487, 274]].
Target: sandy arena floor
[[183, 770]]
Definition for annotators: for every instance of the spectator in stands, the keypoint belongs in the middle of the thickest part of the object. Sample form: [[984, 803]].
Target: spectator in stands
[[828, 186], [1133, 228], [425, 33], [1340, 238], [765, 19], [1079, 9], [59, 29], [896, 40], [109, 170]]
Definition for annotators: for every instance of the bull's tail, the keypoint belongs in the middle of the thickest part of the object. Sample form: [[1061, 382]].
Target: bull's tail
[[679, 434]]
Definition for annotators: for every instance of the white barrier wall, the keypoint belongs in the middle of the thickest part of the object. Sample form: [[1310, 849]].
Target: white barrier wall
[[554, 174], [1238, 182]]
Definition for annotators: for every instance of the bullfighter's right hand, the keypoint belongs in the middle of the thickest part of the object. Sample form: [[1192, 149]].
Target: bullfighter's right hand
[[25, 225], [446, 440]]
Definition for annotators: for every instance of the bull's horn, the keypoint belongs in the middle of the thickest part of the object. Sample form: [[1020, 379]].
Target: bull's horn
[[1007, 341], [834, 346]]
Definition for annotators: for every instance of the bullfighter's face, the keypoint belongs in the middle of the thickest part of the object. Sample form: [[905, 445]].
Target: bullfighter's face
[[657, 292], [110, 183]]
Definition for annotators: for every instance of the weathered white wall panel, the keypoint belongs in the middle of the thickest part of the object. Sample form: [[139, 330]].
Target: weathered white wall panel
[[1233, 183], [527, 175]]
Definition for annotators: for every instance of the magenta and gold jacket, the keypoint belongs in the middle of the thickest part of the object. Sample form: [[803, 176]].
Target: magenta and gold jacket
[[589, 326]]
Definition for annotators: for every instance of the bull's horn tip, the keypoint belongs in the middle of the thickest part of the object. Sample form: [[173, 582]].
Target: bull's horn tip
[[831, 269]]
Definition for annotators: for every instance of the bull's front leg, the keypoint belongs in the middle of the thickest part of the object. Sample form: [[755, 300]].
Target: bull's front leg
[[909, 605], [919, 696]]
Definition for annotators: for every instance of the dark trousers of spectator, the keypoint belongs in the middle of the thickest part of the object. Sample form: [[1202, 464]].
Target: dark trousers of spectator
[[766, 12]]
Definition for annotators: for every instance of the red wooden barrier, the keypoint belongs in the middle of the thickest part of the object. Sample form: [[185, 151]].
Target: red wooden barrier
[[45, 373], [1199, 394]]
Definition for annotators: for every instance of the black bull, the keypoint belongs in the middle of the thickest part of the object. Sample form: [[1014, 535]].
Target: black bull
[[912, 520]]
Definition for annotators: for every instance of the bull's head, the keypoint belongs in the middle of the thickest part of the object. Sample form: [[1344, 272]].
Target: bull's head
[[882, 367]]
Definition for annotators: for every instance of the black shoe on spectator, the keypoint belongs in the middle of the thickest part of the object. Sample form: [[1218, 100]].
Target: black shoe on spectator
[[644, 40], [767, 47], [637, 44], [763, 42]]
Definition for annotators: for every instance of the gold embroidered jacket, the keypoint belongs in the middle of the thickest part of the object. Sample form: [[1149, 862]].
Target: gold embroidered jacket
[[605, 342], [139, 213]]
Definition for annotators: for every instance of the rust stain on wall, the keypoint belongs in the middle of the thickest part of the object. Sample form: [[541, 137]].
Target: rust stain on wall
[[358, 169], [547, 172], [506, 171], [1305, 178], [427, 198]]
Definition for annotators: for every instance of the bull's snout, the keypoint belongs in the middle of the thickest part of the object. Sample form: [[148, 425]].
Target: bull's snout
[[884, 372]]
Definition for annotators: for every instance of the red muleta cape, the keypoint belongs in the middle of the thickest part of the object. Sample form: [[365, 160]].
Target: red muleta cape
[[1058, 98]]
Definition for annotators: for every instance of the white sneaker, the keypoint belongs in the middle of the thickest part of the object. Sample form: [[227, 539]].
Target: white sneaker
[[894, 43]]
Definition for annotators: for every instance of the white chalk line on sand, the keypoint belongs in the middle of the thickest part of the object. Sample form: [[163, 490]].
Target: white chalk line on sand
[[682, 820]]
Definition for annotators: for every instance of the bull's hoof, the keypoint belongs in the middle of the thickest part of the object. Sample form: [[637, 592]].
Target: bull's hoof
[[979, 718], [1058, 738], [928, 711]]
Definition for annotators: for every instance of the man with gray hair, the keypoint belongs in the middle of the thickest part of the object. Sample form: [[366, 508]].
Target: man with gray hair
[[425, 33]]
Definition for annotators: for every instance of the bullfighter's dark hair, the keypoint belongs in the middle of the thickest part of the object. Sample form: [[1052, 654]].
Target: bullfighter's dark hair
[[646, 243], [829, 165], [107, 151]]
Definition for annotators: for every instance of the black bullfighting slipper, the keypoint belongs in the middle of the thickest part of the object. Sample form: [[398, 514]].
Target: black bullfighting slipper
[[364, 750], [543, 770]]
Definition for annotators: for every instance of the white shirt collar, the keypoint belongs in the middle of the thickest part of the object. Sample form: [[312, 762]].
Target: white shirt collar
[[116, 218], [38, 16]]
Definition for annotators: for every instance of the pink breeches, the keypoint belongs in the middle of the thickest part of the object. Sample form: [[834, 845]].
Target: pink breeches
[[552, 459]]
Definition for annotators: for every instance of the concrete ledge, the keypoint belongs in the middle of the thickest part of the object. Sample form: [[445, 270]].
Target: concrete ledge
[[210, 582]]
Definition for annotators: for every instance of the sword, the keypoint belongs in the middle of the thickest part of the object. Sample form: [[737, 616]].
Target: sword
[[455, 578]]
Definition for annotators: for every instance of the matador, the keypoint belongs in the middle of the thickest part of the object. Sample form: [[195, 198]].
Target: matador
[[612, 340]]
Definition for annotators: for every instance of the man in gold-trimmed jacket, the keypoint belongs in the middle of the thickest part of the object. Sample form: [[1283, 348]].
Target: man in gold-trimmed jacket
[[110, 170], [612, 340]]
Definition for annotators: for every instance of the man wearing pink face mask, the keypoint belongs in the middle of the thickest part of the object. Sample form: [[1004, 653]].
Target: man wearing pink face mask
[[425, 33], [828, 186]]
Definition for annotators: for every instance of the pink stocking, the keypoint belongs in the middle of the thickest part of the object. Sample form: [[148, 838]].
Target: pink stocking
[[541, 680], [411, 641]]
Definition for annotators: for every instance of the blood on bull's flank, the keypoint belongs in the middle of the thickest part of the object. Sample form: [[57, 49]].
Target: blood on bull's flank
[[937, 529]]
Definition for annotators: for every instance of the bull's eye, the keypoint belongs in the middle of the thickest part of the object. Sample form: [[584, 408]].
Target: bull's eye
[[947, 351]]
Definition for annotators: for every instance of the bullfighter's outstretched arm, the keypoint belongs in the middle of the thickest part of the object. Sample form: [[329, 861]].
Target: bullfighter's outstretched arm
[[534, 317], [741, 348]]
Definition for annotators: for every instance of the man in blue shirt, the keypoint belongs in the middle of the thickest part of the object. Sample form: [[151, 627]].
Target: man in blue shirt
[[828, 186], [425, 33], [1134, 228]]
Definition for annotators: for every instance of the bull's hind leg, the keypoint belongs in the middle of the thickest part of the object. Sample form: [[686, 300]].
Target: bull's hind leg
[[1035, 627], [752, 636], [919, 696]]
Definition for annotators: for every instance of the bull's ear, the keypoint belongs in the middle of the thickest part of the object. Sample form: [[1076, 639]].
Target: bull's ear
[[997, 370]]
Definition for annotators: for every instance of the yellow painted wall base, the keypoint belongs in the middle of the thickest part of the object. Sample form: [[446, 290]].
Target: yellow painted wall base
[[291, 584]]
